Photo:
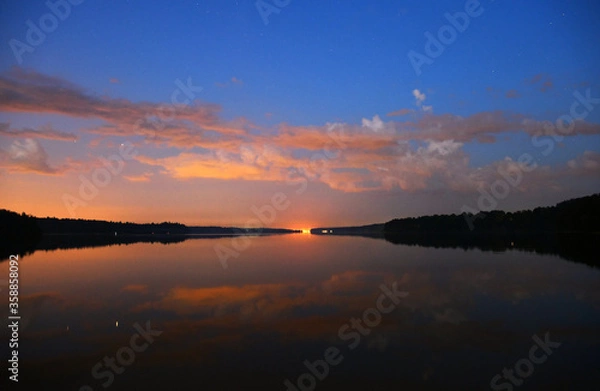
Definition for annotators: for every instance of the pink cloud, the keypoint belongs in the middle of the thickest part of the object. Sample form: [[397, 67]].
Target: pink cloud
[[372, 155], [399, 113], [541, 81]]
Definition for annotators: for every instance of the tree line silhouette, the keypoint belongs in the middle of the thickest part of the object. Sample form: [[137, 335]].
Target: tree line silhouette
[[570, 229], [19, 233], [23, 234], [576, 215]]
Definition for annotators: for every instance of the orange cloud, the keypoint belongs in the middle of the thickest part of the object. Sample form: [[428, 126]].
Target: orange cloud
[[145, 177], [372, 155], [353, 288]]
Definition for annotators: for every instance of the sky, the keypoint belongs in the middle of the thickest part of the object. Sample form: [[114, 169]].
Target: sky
[[296, 114]]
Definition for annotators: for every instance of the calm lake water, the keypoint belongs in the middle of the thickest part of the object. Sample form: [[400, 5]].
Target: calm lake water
[[287, 301]]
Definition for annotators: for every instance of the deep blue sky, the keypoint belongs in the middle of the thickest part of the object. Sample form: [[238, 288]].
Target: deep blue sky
[[313, 58]]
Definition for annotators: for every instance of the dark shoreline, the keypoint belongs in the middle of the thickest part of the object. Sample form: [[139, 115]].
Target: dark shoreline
[[65, 241], [570, 229]]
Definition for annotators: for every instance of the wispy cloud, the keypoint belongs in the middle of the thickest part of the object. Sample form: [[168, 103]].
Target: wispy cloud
[[45, 132], [231, 82], [417, 152], [399, 113], [28, 91], [27, 156], [512, 94], [145, 177], [541, 81]]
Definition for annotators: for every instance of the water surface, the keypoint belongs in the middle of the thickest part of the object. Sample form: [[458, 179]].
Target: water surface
[[467, 315]]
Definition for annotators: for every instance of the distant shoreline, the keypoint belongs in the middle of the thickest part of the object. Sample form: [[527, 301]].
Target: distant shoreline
[[570, 229]]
